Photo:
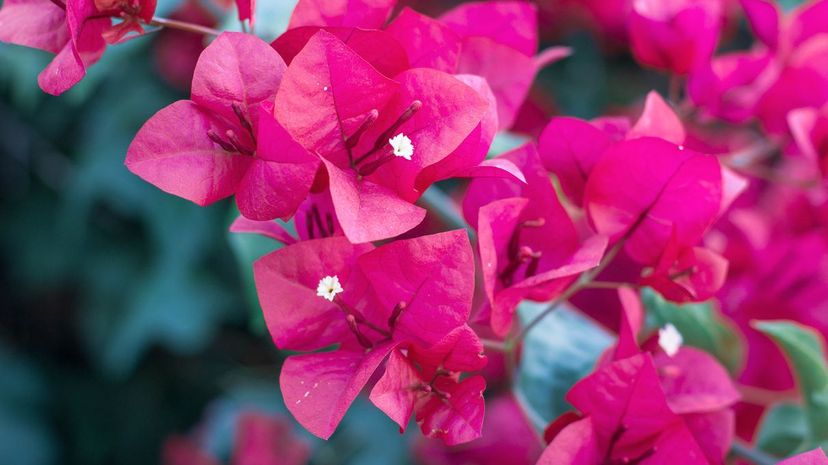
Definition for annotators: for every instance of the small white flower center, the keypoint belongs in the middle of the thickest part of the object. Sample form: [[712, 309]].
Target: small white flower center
[[670, 340], [329, 287], [402, 146]]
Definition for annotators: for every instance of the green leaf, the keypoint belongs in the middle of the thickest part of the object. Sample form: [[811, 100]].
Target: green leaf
[[804, 349], [783, 430], [559, 351], [701, 326], [505, 141]]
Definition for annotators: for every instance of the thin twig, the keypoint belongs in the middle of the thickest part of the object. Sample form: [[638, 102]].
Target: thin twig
[[758, 457], [183, 26]]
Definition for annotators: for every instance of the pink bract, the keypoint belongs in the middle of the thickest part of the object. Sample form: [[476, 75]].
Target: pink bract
[[389, 294]]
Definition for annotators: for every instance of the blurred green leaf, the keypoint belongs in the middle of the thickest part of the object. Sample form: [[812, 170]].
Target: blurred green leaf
[[805, 350], [559, 351], [701, 326], [505, 141], [789, 5], [783, 430], [25, 434]]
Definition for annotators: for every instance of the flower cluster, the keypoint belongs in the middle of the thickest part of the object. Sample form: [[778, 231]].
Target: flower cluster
[[678, 224]]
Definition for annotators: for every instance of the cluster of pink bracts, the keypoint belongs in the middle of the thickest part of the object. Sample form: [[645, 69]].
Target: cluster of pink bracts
[[343, 122]]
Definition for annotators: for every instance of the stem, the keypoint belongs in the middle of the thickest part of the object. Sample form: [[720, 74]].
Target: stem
[[581, 283], [605, 285], [675, 89], [183, 26], [490, 344], [758, 457], [759, 396]]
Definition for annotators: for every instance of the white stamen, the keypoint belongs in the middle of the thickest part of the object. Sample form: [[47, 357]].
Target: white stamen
[[670, 340], [402, 146], [329, 287]]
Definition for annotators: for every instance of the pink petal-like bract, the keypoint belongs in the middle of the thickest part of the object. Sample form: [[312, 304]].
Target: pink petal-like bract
[[318, 388], [266, 440], [814, 457], [366, 14], [647, 189]]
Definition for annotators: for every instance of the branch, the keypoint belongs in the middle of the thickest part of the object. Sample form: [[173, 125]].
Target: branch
[[758, 457], [183, 26]]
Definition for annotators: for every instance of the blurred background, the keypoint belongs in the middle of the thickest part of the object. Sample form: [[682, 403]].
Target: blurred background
[[129, 315]]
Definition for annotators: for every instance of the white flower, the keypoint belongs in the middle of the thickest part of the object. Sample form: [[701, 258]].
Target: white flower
[[329, 287], [402, 146], [669, 338]]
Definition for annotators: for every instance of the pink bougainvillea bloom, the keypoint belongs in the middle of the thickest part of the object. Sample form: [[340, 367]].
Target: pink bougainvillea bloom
[[259, 440], [809, 127], [365, 14], [658, 120], [514, 223], [265, 440], [409, 300], [379, 48], [224, 141], [500, 43], [628, 420], [687, 274], [674, 36], [649, 192], [75, 30], [507, 439], [695, 386], [185, 451], [814, 457], [570, 147], [730, 85], [428, 42], [376, 136]]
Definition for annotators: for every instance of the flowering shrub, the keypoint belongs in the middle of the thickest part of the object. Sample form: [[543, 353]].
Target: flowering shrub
[[686, 237]]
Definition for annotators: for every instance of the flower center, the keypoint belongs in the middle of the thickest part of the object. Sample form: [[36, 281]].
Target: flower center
[[329, 287], [386, 147], [670, 339], [402, 146]]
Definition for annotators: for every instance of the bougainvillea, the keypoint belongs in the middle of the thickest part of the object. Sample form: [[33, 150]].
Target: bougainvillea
[[410, 250]]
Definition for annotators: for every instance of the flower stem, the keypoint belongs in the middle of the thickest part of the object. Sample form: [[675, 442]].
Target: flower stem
[[490, 344], [582, 283], [183, 26], [758, 457]]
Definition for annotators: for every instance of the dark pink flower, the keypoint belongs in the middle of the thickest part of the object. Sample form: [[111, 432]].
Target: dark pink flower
[[259, 440], [514, 223], [428, 42], [365, 14], [636, 188], [507, 439], [75, 30], [409, 300], [809, 127], [379, 48], [730, 85], [570, 147], [375, 136], [225, 140], [674, 36], [500, 43], [687, 274], [628, 420]]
